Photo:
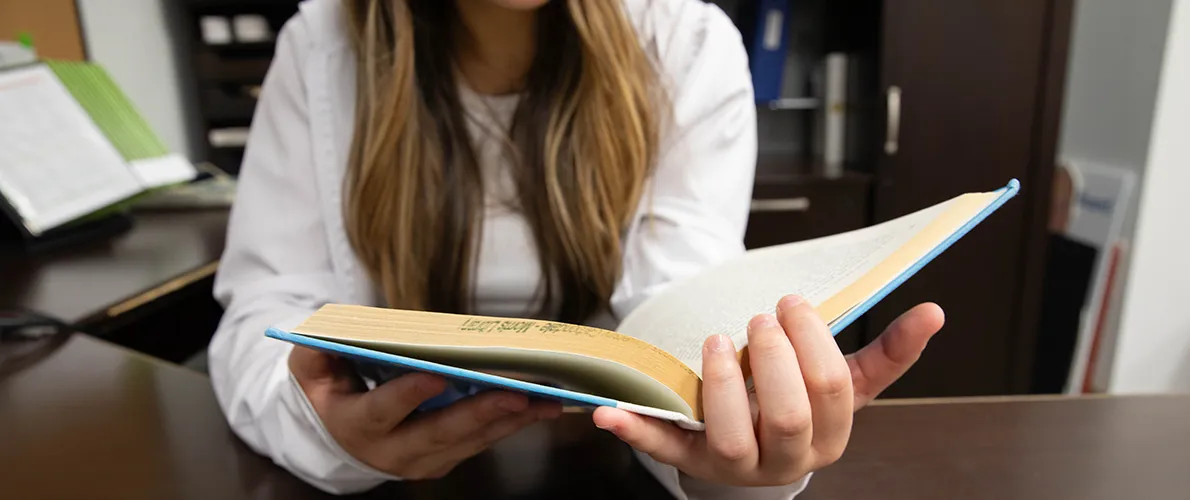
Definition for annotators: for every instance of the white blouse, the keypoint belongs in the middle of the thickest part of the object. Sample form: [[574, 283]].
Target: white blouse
[[287, 251]]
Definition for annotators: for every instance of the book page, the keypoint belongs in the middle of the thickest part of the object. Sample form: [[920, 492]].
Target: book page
[[511, 344], [723, 299], [55, 164], [163, 171]]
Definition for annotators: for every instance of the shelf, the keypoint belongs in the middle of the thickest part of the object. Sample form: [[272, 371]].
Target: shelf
[[240, 49], [781, 169], [794, 103], [246, 5], [211, 68], [225, 105]]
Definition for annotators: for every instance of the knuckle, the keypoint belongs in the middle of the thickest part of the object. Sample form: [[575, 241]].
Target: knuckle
[[515, 425], [719, 376], [375, 417], [440, 436], [766, 347], [834, 455], [485, 411], [789, 476], [831, 454], [637, 440], [792, 424], [474, 449], [831, 383], [731, 448], [393, 464]]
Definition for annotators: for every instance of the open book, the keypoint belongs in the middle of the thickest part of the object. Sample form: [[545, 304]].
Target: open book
[[651, 364], [73, 147]]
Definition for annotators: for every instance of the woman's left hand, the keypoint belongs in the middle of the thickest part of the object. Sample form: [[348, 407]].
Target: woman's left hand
[[798, 420]]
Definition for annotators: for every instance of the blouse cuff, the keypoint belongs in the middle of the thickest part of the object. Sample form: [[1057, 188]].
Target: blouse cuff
[[336, 471], [684, 487]]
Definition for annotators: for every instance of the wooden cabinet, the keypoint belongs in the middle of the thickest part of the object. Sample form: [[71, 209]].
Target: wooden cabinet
[[800, 207], [963, 96], [975, 111]]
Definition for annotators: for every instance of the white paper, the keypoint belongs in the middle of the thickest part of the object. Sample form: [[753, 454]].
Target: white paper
[[722, 300], [163, 171], [55, 164]]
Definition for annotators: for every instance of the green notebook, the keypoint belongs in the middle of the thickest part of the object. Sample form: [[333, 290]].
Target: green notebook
[[110, 108]]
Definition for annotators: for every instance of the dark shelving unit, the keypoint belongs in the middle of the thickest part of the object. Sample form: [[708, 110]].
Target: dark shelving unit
[[227, 76]]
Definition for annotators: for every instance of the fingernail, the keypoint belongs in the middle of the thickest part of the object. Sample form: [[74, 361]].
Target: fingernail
[[763, 321], [719, 343], [790, 301]]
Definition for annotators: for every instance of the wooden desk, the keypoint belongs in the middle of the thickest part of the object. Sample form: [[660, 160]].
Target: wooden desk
[[148, 288], [97, 421], [1042, 448]]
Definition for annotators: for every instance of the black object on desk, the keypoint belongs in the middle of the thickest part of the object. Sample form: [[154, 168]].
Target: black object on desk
[[148, 288], [26, 337], [15, 240]]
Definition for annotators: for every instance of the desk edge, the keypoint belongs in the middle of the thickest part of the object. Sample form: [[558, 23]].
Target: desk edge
[[162, 290], [1023, 398]]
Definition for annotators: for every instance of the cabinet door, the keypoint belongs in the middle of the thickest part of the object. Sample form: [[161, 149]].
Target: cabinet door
[[972, 79]]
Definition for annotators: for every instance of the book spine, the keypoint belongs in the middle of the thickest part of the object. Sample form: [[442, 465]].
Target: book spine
[[768, 46]]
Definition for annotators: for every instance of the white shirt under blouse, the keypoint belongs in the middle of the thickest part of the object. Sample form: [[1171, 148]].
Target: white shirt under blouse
[[287, 251]]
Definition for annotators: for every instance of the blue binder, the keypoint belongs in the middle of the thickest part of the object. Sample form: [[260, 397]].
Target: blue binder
[[767, 39]]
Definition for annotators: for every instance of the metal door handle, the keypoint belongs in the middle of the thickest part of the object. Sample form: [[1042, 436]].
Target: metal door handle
[[800, 204], [893, 133]]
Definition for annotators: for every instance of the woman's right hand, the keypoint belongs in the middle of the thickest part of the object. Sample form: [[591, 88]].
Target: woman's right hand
[[375, 426]]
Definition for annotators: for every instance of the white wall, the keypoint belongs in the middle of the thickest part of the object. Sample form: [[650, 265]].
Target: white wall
[[1116, 54], [132, 39], [1153, 349], [1115, 63]]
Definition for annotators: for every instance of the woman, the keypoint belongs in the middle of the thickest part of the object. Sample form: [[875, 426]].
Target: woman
[[447, 155]]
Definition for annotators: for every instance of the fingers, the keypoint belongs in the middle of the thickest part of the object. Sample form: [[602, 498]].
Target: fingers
[[381, 409], [882, 362], [500, 429], [730, 435], [825, 373], [436, 464], [661, 440], [448, 427], [784, 419]]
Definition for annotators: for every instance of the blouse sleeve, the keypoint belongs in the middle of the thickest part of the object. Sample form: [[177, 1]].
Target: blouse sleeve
[[696, 210], [275, 271]]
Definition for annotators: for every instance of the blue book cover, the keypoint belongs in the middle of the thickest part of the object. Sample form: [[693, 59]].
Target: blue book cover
[[397, 342]]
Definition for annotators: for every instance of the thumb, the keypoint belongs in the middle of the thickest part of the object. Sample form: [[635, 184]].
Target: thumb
[[321, 375], [879, 364]]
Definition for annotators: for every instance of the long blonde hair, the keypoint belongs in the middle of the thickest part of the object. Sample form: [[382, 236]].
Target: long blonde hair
[[583, 141]]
